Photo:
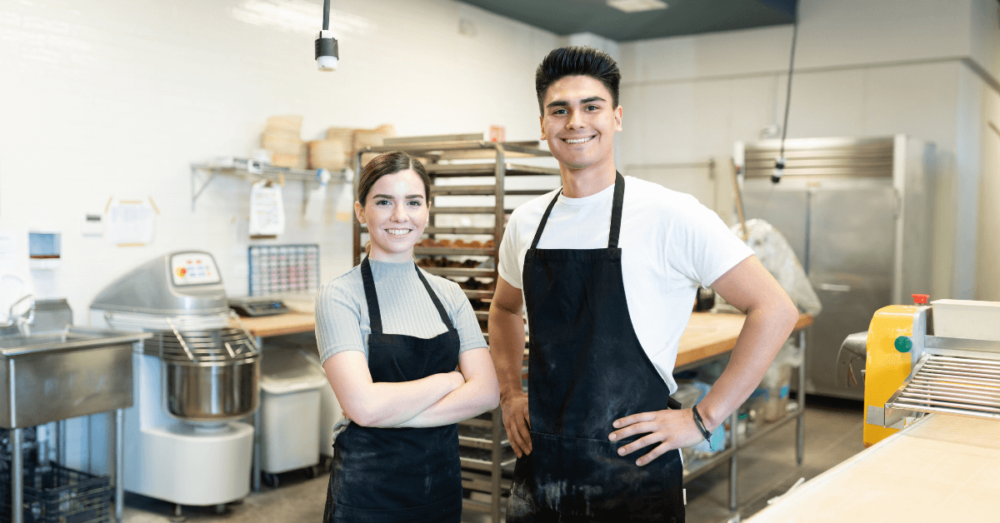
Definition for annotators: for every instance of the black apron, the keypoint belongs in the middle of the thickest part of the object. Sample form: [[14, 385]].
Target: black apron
[[383, 475], [586, 370]]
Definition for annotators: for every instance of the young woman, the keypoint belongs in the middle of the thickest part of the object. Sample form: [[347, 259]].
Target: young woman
[[391, 337]]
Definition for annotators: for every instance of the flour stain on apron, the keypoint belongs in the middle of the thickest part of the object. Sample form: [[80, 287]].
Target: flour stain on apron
[[587, 368]]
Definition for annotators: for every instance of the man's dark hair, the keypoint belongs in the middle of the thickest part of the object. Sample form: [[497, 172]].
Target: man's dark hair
[[577, 61]]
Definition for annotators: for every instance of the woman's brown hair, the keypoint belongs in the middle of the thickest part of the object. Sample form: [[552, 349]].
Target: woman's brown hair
[[391, 163]]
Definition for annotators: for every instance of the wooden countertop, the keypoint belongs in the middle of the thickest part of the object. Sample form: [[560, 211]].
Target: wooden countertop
[[277, 325], [707, 335], [941, 468]]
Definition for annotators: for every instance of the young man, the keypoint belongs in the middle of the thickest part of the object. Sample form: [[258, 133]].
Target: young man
[[609, 267]]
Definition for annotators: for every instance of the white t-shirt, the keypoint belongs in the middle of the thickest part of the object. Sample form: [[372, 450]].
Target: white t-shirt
[[671, 245]]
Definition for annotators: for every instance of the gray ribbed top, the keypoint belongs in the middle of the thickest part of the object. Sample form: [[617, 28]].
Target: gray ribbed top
[[342, 321]]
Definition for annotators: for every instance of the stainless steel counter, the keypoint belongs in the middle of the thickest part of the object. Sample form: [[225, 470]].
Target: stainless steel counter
[[49, 377]]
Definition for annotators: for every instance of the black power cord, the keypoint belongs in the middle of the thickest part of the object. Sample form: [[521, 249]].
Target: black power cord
[[779, 164]]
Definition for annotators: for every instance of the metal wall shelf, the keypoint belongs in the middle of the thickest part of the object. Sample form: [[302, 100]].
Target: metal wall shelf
[[463, 190], [202, 174], [459, 230], [451, 230], [482, 190], [467, 150], [488, 169], [452, 251], [466, 210], [461, 272]]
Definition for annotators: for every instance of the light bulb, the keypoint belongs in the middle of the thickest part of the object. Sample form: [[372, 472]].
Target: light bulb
[[326, 51], [327, 63]]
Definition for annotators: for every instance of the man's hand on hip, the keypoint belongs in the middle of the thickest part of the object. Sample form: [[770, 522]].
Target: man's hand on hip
[[667, 429], [517, 422]]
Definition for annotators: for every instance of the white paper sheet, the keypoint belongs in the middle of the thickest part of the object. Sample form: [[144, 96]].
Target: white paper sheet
[[130, 222], [267, 211], [8, 251]]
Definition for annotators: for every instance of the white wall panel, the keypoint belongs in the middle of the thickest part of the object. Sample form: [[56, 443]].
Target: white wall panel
[[825, 103], [853, 32], [917, 99], [988, 243], [756, 102], [863, 68], [984, 37], [968, 146], [731, 53], [106, 98]]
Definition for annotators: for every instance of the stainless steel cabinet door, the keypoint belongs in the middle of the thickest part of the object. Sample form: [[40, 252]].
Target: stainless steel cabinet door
[[784, 206], [851, 245]]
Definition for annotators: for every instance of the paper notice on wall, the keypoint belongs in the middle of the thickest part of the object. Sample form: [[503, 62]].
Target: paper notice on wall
[[267, 212], [8, 251], [130, 222]]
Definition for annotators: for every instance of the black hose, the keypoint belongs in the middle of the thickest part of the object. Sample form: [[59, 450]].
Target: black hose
[[326, 15], [791, 68]]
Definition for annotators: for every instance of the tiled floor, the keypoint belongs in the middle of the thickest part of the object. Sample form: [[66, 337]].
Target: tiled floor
[[766, 469]]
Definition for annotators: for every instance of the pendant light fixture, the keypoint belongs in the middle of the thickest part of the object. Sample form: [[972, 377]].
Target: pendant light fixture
[[327, 54]]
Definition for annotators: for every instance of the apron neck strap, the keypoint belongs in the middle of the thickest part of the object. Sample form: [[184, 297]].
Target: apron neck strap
[[374, 313], [437, 303], [616, 211], [616, 214]]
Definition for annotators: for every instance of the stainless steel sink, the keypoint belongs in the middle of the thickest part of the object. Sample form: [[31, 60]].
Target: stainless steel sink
[[61, 372], [52, 376]]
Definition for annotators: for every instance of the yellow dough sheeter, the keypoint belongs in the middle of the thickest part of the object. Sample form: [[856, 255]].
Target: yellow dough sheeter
[[932, 424]]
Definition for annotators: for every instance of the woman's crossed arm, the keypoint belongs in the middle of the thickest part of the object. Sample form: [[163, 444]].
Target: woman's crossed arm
[[438, 399]]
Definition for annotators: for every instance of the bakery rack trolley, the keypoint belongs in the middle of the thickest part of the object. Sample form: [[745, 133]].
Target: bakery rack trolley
[[485, 450]]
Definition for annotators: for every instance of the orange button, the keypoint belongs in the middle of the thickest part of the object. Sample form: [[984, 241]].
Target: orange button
[[181, 272]]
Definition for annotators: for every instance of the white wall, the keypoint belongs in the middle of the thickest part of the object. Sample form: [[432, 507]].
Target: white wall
[[102, 99], [987, 276], [106, 98], [862, 68]]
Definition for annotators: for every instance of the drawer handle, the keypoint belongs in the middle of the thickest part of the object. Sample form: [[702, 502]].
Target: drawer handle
[[832, 287]]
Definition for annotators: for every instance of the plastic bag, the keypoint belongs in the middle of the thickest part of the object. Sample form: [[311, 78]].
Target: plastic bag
[[777, 381], [702, 449], [777, 256]]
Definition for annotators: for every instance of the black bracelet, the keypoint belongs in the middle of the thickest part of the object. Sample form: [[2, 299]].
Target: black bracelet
[[701, 425]]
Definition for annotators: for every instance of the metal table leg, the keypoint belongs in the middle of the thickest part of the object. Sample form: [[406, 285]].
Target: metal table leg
[[256, 451], [495, 471], [256, 433], [800, 425], [61, 455], [733, 420], [17, 478], [119, 464]]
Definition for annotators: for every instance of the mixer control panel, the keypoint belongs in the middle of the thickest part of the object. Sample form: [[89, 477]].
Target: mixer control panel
[[193, 268]]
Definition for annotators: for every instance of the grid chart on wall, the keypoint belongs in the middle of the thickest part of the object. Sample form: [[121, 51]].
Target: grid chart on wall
[[276, 269]]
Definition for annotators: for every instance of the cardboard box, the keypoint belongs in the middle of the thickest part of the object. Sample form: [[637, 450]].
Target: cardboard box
[[303, 162], [327, 154], [280, 131], [285, 160], [372, 138], [292, 124], [282, 143], [344, 134]]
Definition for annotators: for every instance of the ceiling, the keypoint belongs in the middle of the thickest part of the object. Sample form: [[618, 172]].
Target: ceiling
[[682, 17]]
